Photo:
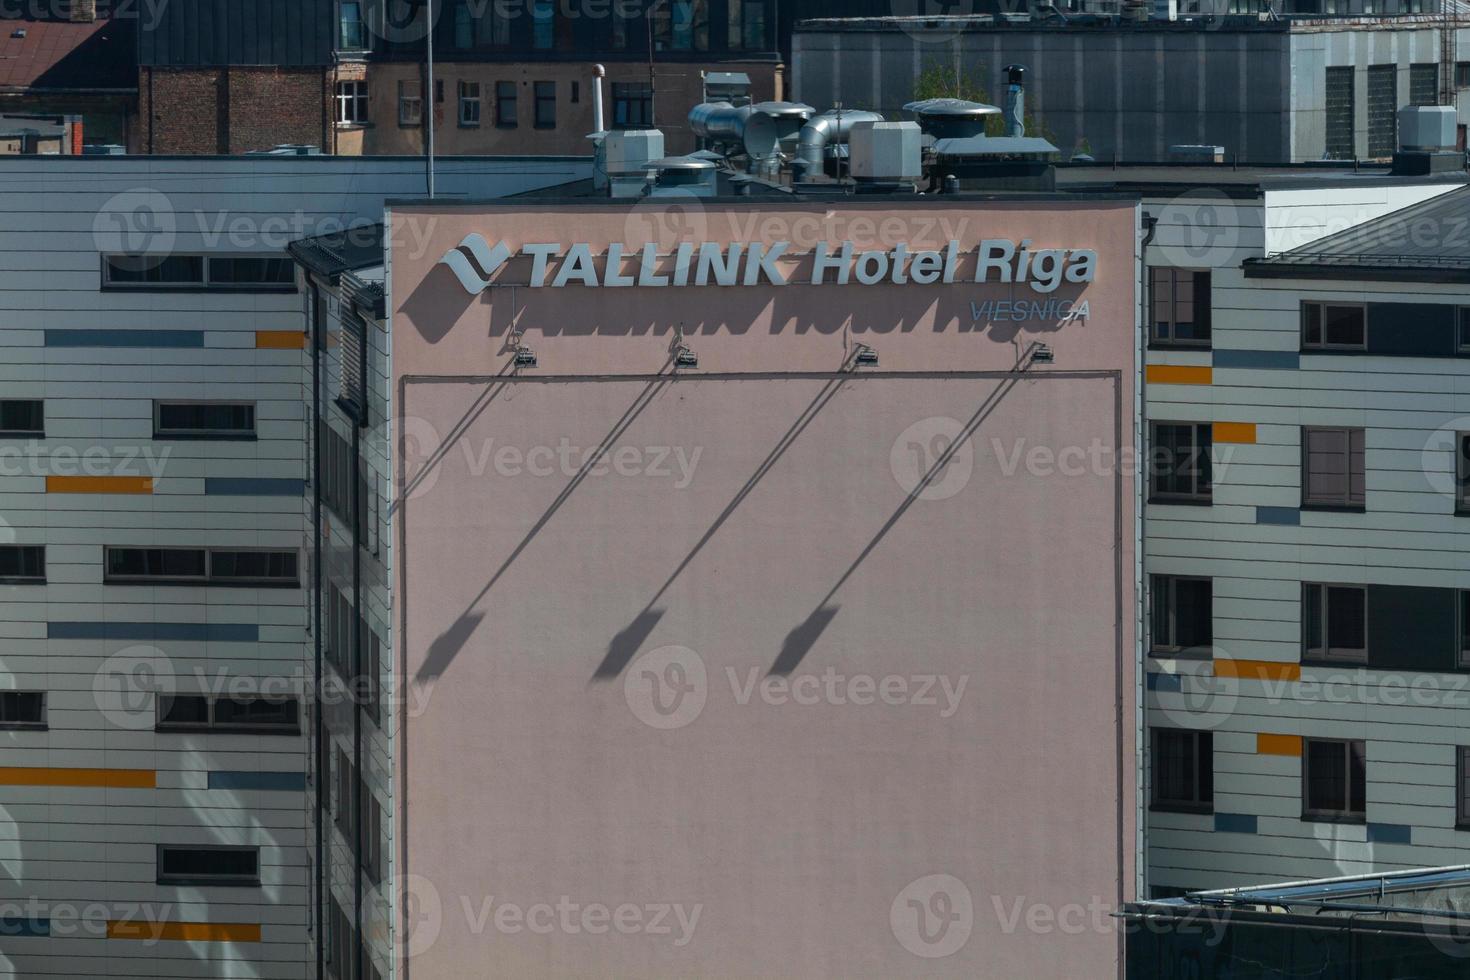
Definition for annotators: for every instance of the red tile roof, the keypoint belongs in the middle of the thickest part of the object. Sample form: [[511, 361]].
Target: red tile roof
[[58, 54]]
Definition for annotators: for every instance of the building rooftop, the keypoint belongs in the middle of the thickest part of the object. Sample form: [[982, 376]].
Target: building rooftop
[[1234, 179], [1426, 242], [1103, 23], [53, 53]]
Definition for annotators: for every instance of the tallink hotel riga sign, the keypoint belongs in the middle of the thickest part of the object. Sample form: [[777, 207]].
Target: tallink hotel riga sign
[[475, 262]]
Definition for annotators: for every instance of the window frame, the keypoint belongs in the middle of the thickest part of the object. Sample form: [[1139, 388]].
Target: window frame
[[1462, 630], [1169, 338], [364, 44], [1323, 345], [1348, 815], [1203, 451], [209, 578], [468, 101], [1462, 473], [15, 725], [353, 96], [507, 94], [1462, 327], [1169, 585], [1327, 653], [23, 433], [540, 100], [211, 726], [1321, 501], [206, 283], [410, 106], [624, 94], [207, 881], [1462, 787], [24, 579], [234, 435], [1200, 800]]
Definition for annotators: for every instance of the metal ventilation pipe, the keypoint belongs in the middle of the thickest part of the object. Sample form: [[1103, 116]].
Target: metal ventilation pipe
[[1015, 110], [832, 126], [719, 121], [598, 74]]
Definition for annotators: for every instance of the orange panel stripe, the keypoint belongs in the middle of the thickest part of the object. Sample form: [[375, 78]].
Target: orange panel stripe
[[1278, 744], [1178, 374], [206, 932], [1258, 670], [1243, 432], [280, 339], [104, 778], [99, 484]]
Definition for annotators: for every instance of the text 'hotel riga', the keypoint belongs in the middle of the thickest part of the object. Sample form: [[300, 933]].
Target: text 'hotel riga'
[[466, 586]]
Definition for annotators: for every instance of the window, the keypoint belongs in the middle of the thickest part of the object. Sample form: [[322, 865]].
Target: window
[[22, 564], [1464, 630], [505, 105], [210, 420], [1334, 622], [545, 105], [1334, 326], [1179, 461], [242, 715], [211, 865], [747, 25], [21, 710], [1462, 787], [1183, 770], [1462, 472], [543, 24], [351, 29], [1180, 300], [22, 417], [1182, 615], [1424, 83], [346, 775], [410, 104], [1341, 99], [1333, 467], [1334, 779], [352, 102], [469, 104], [338, 468], [464, 25], [1462, 74], [576, 93], [191, 566], [1462, 340], [680, 25], [235, 273], [632, 105]]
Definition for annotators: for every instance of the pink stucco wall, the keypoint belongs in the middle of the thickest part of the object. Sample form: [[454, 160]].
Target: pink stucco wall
[[584, 644]]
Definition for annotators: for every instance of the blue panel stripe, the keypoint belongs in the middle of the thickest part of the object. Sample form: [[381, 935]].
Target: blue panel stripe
[[1278, 515], [1390, 833], [200, 632], [292, 781], [124, 338], [1235, 823], [1165, 682], [244, 486], [24, 925], [1271, 360]]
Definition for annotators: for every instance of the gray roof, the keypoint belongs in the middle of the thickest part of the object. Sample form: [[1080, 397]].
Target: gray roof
[[1425, 241]]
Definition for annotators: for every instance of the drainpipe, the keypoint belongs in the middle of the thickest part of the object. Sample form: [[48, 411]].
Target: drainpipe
[[1015, 110], [317, 725], [1140, 436], [599, 72]]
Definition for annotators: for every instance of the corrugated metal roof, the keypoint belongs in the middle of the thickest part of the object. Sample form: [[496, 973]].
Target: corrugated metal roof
[[207, 33], [1431, 235]]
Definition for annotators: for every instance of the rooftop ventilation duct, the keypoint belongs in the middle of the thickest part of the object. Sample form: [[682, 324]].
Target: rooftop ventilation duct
[[684, 176], [758, 130], [951, 118], [831, 127], [1015, 113]]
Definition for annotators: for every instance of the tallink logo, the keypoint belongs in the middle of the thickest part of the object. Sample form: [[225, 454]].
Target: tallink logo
[[474, 263]]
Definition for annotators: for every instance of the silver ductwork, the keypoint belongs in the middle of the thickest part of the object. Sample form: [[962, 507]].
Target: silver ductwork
[[832, 126], [759, 130], [1015, 113], [719, 122]]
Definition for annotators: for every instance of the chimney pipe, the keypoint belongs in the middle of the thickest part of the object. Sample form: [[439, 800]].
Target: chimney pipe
[[83, 11], [598, 74], [1015, 110]]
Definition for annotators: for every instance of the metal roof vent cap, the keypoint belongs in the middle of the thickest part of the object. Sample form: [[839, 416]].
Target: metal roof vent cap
[[952, 118]]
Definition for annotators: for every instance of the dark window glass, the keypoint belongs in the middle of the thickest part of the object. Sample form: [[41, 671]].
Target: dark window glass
[[747, 25], [1465, 629], [208, 865], [236, 270], [505, 105], [22, 416], [351, 30], [545, 105], [1463, 340], [183, 710], [204, 418], [271, 566], [165, 563], [22, 709], [155, 270], [1182, 614], [1179, 461], [1183, 769], [1335, 622], [469, 104], [1334, 779], [1180, 300], [22, 564], [1334, 467], [1462, 472], [1331, 326], [256, 713], [543, 24], [1462, 785], [632, 105]]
